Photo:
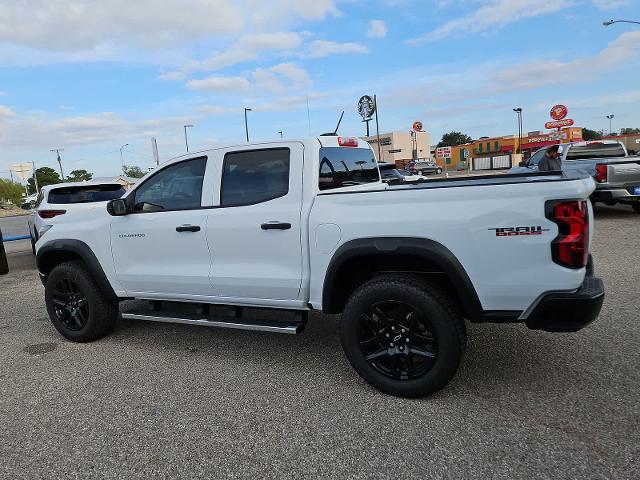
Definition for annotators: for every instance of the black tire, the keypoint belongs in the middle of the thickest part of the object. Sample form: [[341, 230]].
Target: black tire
[[636, 206], [76, 305], [434, 319], [33, 246], [4, 263]]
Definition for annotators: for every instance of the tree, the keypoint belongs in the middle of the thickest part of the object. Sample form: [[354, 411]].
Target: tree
[[11, 191], [452, 139], [591, 134], [45, 176], [133, 171], [630, 131], [80, 175]]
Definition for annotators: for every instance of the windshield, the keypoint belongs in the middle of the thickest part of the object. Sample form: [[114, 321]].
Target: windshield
[[536, 157], [92, 193], [595, 150]]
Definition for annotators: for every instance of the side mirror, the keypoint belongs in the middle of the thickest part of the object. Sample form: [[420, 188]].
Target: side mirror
[[117, 207], [522, 163]]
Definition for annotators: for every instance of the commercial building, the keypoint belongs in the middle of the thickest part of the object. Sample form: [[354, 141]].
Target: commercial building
[[401, 147]]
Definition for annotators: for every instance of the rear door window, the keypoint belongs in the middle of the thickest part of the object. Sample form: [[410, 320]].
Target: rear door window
[[345, 167], [254, 176], [88, 194], [595, 150]]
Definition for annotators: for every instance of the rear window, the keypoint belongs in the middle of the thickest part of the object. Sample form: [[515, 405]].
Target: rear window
[[344, 167], [90, 193], [595, 150]]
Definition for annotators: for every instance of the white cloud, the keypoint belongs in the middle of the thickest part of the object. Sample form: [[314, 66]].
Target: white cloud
[[6, 112], [597, 102], [609, 4], [73, 25], [546, 72], [292, 72], [219, 84], [267, 80], [377, 29], [495, 14], [245, 49], [324, 48]]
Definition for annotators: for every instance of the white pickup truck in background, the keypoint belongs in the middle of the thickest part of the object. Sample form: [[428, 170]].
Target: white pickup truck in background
[[308, 225]]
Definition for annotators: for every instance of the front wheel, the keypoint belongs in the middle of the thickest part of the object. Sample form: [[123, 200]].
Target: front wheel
[[439, 171], [636, 206], [403, 335], [76, 305]]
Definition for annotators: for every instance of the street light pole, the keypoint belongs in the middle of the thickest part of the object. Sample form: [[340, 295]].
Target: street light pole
[[610, 117], [58, 150], [246, 125], [122, 156], [280, 132], [519, 113], [611, 22], [186, 141]]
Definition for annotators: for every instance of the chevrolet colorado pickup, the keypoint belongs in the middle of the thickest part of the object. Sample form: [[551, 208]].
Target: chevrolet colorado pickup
[[308, 225], [617, 175]]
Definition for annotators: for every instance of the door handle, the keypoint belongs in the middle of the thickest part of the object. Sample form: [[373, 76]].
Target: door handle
[[275, 226], [188, 228]]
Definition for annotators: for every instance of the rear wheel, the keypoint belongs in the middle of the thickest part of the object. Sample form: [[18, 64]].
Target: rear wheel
[[636, 206], [76, 305], [403, 335]]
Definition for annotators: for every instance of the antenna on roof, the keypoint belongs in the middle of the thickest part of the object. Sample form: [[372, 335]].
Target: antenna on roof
[[335, 132]]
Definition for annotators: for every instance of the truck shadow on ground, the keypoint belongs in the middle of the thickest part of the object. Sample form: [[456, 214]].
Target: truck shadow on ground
[[497, 356]]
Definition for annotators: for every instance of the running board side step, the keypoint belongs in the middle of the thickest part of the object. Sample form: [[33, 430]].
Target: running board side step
[[291, 327]]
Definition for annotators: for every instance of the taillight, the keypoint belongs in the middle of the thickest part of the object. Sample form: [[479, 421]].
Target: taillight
[[51, 213], [601, 173], [571, 247], [347, 141]]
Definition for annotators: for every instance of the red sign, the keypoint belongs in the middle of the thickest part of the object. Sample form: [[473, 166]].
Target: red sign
[[417, 126], [558, 112], [567, 122]]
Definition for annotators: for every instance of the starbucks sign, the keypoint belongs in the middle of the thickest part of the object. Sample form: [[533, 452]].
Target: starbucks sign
[[366, 107]]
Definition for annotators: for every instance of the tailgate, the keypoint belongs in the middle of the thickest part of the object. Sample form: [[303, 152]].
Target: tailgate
[[625, 174]]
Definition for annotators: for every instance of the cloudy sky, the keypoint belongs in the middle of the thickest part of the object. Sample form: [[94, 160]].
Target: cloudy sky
[[91, 76]]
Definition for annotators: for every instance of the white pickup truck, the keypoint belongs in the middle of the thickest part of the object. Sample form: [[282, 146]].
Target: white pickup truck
[[308, 225]]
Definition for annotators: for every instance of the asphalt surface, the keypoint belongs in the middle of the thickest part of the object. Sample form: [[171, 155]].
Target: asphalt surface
[[14, 225], [170, 401]]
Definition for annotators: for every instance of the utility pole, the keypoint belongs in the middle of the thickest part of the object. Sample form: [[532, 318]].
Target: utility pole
[[122, 156], [186, 142], [610, 117], [58, 150], [35, 177], [246, 124]]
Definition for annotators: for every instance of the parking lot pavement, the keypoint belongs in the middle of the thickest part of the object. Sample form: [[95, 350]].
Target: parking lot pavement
[[170, 401], [16, 225]]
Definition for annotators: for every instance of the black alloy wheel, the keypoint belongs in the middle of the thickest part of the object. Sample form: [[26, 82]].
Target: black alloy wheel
[[397, 341], [70, 304]]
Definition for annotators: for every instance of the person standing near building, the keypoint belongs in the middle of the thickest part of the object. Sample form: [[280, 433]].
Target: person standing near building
[[551, 161]]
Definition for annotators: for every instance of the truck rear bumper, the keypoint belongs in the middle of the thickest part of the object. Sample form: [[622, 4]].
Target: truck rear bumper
[[614, 194], [568, 312]]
